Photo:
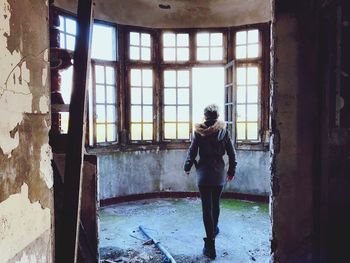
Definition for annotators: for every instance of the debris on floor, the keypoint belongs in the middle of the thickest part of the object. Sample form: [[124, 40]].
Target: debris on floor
[[177, 224]]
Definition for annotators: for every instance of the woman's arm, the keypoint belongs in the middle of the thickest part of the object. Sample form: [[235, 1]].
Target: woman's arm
[[192, 153], [230, 150]]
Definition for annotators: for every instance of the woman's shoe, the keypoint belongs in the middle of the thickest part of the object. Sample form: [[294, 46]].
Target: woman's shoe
[[209, 248]]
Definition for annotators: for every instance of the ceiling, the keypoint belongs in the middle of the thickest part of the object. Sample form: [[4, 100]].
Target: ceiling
[[182, 13]]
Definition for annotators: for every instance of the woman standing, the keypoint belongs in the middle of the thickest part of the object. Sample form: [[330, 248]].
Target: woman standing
[[213, 141]]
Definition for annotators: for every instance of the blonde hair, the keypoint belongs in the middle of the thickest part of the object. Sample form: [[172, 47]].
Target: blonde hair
[[211, 112]]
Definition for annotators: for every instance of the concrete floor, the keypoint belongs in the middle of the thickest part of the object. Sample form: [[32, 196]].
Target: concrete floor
[[177, 224]]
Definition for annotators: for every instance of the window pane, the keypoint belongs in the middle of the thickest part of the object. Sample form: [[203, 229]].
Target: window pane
[[183, 131], [183, 78], [203, 53], [169, 40], [170, 131], [183, 96], [252, 75], [241, 52], [216, 39], [183, 113], [135, 113], [135, 132], [252, 112], [147, 95], [216, 53], [252, 96], [183, 54], [240, 131], [170, 78], [169, 113], [70, 42], [146, 53], [100, 133], [136, 77], [99, 74], [241, 113], [134, 53], [253, 36], [147, 132], [64, 122], [241, 37], [100, 94], [145, 40], [203, 39], [253, 51], [110, 75], [182, 40], [111, 113], [252, 131], [103, 42], [147, 113], [134, 38], [169, 54], [169, 96], [61, 27], [147, 78], [241, 76], [241, 94], [111, 132], [135, 95], [100, 113], [66, 84], [111, 96], [62, 41], [71, 26]]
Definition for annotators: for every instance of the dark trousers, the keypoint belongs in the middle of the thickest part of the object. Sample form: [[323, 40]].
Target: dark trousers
[[210, 196]]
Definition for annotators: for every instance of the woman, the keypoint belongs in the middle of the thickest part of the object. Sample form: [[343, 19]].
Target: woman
[[213, 140]]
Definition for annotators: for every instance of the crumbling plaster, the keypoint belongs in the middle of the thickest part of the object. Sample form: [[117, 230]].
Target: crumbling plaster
[[25, 155]]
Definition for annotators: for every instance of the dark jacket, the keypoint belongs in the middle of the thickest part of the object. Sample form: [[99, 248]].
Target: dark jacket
[[213, 141]]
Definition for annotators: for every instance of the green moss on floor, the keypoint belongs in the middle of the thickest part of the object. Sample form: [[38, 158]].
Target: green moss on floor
[[238, 205]]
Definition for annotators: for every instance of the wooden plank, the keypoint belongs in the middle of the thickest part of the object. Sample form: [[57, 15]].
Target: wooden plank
[[76, 133], [56, 108]]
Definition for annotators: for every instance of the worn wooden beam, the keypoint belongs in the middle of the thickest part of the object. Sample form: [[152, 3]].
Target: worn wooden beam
[[76, 133]]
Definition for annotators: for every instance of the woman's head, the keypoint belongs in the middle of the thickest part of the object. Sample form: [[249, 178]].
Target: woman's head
[[211, 112]]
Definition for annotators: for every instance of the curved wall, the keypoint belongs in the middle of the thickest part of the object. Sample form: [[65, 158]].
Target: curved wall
[[138, 172], [182, 14]]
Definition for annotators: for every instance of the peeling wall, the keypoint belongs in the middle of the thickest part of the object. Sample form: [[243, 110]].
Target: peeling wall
[[125, 173], [182, 14], [25, 156]]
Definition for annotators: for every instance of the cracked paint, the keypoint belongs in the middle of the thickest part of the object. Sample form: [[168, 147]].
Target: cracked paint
[[26, 198], [45, 165], [17, 212]]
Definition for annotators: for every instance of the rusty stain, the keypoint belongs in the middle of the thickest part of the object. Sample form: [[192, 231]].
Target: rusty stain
[[14, 131], [28, 36]]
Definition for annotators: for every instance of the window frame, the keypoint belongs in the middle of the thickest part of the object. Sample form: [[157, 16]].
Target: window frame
[[123, 64], [262, 62], [114, 65], [162, 106]]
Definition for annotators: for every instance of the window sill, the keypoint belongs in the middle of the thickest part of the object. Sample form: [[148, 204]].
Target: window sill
[[103, 149], [252, 147]]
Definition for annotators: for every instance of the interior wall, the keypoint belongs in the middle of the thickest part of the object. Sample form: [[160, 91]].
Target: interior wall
[[182, 13], [136, 172], [295, 132], [25, 156]]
